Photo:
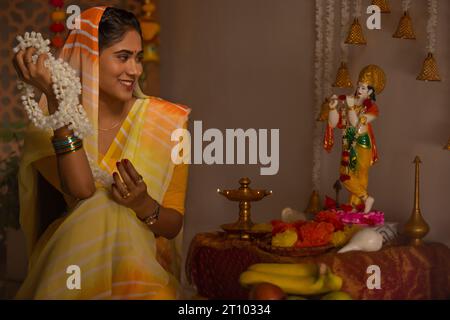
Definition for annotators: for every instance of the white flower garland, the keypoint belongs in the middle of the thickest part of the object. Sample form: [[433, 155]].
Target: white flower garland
[[432, 25], [99, 174], [67, 88], [318, 81], [345, 20], [358, 8], [406, 4], [329, 52]]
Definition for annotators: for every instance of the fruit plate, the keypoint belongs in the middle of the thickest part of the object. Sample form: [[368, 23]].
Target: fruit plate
[[266, 245]]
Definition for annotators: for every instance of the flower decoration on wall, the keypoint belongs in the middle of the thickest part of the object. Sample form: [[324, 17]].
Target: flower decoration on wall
[[57, 27], [430, 70], [150, 30]]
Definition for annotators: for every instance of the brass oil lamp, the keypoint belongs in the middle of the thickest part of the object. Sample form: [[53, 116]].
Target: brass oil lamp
[[245, 196]]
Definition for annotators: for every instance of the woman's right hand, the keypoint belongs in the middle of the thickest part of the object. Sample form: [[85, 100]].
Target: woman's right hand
[[37, 74]]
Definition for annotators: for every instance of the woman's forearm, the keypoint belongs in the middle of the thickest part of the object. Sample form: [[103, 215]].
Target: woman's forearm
[[73, 168]]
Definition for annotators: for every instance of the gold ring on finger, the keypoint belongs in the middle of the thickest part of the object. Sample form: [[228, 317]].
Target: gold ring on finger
[[127, 195]]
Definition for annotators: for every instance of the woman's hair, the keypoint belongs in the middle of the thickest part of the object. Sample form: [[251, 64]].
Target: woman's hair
[[113, 26]]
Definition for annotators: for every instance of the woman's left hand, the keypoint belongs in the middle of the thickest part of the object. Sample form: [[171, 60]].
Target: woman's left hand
[[129, 189]]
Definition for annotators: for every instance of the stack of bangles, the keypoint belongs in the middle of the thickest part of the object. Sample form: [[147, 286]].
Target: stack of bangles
[[66, 144]]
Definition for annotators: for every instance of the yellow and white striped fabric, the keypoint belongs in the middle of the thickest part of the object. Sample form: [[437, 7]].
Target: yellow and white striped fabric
[[116, 253]]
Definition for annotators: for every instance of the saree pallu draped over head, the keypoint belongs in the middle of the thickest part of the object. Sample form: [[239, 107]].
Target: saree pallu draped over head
[[117, 255]]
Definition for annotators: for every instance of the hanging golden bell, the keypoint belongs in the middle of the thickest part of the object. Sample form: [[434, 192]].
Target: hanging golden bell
[[405, 28], [430, 70], [343, 77], [448, 145], [356, 36], [383, 4]]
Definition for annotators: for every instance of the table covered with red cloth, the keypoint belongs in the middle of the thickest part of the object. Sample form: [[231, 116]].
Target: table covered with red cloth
[[215, 262]]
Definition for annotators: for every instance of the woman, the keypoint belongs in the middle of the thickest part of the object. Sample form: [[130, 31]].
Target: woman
[[114, 236]]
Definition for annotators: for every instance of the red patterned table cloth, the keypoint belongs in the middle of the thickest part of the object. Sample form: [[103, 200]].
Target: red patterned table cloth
[[215, 262]]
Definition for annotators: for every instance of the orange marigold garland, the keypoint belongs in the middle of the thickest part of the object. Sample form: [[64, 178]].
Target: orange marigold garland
[[309, 233]]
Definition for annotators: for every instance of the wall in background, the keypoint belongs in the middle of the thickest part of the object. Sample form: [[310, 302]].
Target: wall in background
[[249, 64]]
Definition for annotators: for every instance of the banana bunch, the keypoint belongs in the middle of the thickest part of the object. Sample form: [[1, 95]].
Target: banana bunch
[[296, 279]]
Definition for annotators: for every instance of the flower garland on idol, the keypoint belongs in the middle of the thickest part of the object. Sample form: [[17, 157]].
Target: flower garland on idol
[[67, 88]]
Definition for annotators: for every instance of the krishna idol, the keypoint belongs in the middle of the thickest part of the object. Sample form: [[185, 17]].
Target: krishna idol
[[354, 114]]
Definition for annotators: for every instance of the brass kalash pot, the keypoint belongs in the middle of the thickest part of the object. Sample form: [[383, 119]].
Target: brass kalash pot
[[242, 229]]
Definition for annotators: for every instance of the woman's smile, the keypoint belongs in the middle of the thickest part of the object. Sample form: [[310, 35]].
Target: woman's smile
[[127, 84]]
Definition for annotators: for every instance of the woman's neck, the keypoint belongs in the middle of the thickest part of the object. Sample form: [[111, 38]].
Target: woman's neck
[[111, 110]]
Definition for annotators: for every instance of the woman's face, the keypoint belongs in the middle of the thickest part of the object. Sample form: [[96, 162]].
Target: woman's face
[[121, 66]]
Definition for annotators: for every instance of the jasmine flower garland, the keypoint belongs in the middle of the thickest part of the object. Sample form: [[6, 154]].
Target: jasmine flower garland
[[67, 88]]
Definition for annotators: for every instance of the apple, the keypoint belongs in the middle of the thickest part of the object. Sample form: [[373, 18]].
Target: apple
[[266, 291]]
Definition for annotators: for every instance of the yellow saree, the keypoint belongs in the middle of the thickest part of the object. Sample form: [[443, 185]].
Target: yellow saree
[[117, 255]]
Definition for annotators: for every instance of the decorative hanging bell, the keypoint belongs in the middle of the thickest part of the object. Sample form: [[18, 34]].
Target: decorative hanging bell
[[343, 77], [405, 28], [356, 36], [383, 4], [430, 70]]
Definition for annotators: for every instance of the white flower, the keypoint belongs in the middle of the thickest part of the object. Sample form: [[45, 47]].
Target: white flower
[[67, 88]]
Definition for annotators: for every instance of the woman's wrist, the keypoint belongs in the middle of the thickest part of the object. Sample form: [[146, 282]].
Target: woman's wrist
[[52, 102], [146, 208]]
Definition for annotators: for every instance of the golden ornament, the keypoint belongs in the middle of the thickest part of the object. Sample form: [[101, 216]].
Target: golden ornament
[[383, 4], [150, 29], [430, 70], [416, 228], [324, 110], [405, 28], [356, 35], [245, 196], [343, 77], [58, 15], [373, 76], [314, 203], [448, 145], [151, 52]]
